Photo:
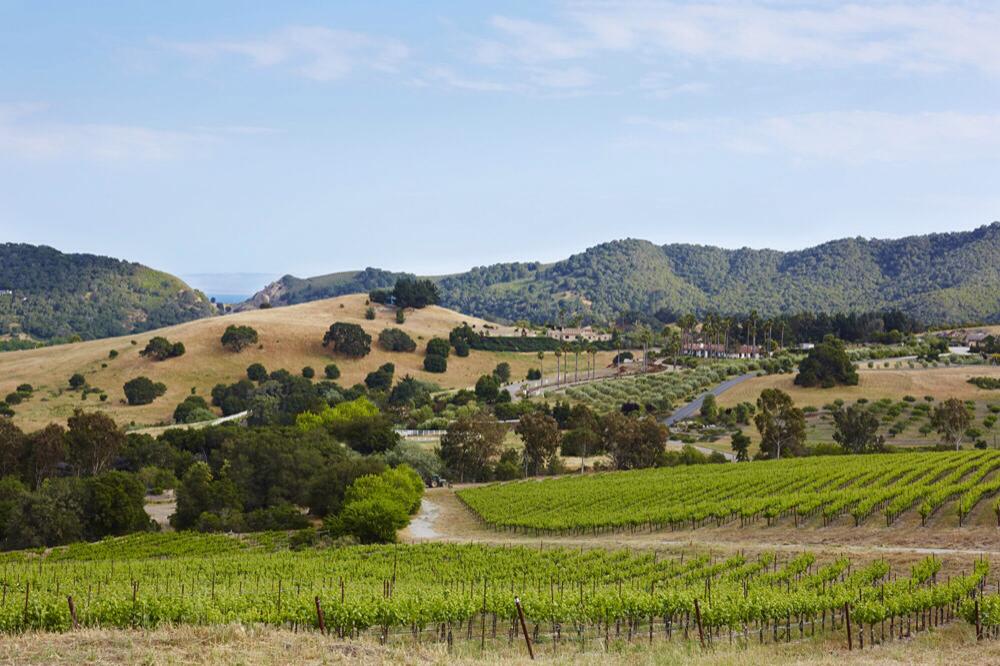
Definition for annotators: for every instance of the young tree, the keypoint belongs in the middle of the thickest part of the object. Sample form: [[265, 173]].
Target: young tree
[[471, 444], [331, 371], [540, 434], [94, 442], [781, 424], [827, 365], [502, 372], [348, 339], [951, 419], [741, 447], [857, 430], [237, 338], [709, 409]]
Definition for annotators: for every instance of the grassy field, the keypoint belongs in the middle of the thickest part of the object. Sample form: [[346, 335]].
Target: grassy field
[[290, 337], [941, 383]]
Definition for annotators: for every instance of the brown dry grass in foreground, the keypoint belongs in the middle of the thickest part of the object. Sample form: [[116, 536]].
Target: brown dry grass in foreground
[[228, 645]]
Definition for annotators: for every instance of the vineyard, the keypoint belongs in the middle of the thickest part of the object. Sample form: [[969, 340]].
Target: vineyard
[[447, 592], [663, 390], [820, 489]]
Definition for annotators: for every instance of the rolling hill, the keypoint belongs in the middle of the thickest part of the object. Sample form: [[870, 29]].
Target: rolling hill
[[45, 294], [290, 338], [944, 278]]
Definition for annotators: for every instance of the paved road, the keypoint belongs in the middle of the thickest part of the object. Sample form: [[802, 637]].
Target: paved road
[[694, 406]]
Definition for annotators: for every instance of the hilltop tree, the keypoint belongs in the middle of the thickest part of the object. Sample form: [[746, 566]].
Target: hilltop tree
[[781, 424], [857, 430], [348, 339], [951, 419], [827, 365], [237, 338], [410, 293], [540, 434]]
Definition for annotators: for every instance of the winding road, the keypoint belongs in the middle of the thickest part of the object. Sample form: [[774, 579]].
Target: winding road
[[694, 406]]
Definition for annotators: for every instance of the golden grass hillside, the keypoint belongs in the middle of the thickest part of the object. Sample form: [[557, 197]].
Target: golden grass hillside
[[941, 382], [290, 337]]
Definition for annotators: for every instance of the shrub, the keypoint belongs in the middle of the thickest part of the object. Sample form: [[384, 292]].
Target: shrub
[[331, 371], [256, 372], [461, 348], [381, 379], [438, 347], [183, 411], [435, 363], [25, 388], [77, 381], [396, 340], [400, 316], [369, 313], [160, 349], [113, 353], [143, 390], [14, 398], [308, 372]]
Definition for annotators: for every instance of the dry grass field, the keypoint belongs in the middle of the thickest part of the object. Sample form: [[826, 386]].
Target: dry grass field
[[941, 382], [230, 645], [290, 337]]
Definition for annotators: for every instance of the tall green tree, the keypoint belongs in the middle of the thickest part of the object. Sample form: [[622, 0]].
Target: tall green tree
[[781, 424], [951, 419], [857, 430]]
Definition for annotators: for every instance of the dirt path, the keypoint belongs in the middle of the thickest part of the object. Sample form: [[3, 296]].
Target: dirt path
[[443, 517]]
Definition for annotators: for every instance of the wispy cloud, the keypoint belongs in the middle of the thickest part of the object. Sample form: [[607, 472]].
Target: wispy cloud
[[23, 135], [908, 36], [843, 136], [314, 52]]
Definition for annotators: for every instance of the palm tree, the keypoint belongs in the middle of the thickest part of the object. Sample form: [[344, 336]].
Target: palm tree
[[541, 370], [558, 354]]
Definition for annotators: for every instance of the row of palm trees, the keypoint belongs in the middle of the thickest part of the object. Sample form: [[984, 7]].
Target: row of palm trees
[[576, 348], [718, 331]]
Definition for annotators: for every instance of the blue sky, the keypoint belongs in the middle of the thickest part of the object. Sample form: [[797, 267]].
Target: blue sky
[[311, 137]]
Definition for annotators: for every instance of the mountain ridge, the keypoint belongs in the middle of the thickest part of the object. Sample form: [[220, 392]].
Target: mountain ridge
[[46, 294], [940, 278]]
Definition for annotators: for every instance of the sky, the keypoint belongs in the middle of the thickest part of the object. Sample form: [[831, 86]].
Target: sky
[[313, 137]]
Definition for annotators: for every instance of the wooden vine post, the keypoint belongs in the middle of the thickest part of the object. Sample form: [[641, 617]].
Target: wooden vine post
[[847, 616], [524, 627], [320, 617], [72, 612], [697, 617]]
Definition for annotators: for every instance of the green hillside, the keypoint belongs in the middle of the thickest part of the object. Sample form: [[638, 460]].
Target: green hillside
[[46, 294], [938, 278]]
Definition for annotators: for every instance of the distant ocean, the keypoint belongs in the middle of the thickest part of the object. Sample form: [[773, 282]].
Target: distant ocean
[[229, 299]]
